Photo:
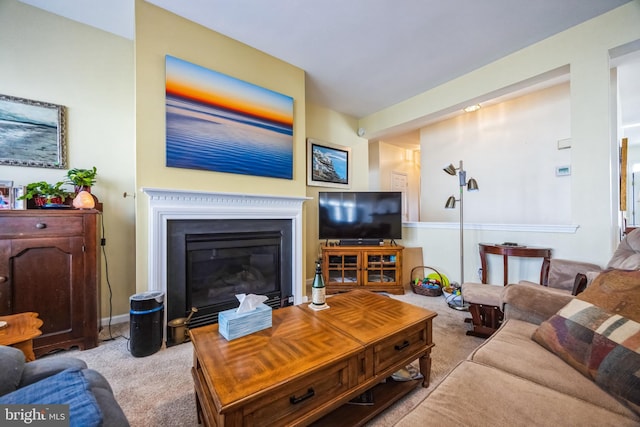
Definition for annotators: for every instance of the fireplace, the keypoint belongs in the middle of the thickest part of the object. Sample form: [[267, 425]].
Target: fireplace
[[210, 261], [167, 205]]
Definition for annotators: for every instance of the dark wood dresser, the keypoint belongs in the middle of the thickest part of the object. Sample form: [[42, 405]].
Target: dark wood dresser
[[50, 264]]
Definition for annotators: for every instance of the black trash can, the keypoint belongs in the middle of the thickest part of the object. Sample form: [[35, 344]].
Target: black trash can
[[146, 323]]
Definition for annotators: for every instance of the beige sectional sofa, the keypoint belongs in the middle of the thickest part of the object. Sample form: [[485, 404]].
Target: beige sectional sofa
[[512, 380]]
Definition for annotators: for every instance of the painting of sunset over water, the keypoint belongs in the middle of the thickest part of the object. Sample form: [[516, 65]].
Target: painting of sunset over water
[[219, 123]]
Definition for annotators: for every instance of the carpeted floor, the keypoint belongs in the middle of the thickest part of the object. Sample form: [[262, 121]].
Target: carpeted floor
[[158, 389]]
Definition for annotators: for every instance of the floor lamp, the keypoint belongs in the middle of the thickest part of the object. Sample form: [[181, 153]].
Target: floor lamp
[[471, 185]]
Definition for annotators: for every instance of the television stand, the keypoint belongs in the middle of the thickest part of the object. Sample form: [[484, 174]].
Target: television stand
[[361, 242], [376, 268]]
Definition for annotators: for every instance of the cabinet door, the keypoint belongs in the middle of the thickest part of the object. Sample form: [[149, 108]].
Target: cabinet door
[[47, 276], [381, 268], [5, 278], [342, 268]]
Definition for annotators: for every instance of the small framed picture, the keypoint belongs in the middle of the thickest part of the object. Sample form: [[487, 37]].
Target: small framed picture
[[18, 192], [328, 165], [6, 195]]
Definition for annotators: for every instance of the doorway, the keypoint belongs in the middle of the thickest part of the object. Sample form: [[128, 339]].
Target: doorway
[[400, 182], [627, 68]]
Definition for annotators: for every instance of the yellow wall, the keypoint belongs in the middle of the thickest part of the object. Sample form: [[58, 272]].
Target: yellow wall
[[114, 91], [160, 33], [48, 58], [327, 125]]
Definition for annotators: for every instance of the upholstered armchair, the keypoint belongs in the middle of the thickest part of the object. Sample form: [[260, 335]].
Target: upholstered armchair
[[567, 276], [572, 277], [59, 380], [565, 279]]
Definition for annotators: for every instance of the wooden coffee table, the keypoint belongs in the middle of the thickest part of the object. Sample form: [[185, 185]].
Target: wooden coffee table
[[309, 364], [22, 328]]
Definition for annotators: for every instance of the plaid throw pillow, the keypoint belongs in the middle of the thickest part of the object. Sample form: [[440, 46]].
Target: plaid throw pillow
[[598, 333]]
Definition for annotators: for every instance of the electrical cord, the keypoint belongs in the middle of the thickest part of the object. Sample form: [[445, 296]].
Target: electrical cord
[[103, 242]]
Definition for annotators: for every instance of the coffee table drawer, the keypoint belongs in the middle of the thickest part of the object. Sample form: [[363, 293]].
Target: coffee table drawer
[[289, 401], [399, 346]]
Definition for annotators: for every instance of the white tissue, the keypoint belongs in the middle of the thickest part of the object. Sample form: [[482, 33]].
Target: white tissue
[[249, 302]]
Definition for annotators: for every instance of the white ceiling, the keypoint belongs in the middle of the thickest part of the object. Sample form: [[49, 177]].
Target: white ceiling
[[361, 56]]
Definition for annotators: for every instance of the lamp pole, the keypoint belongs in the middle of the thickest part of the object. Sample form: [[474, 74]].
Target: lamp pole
[[471, 185], [462, 175]]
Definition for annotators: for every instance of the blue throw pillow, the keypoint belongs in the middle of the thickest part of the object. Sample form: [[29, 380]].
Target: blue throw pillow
[[68, 387]]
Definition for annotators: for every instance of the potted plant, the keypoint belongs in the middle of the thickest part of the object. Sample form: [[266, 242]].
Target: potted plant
[[44, 193], [82, 179]]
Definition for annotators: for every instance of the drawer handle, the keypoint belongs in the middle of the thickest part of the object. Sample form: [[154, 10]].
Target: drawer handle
[[402, 346], [41, 225], [3, 279], [295, 400]]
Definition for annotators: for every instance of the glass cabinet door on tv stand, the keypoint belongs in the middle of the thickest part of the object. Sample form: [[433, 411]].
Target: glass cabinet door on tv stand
[[376, 268], [381, 268], [341, 267]]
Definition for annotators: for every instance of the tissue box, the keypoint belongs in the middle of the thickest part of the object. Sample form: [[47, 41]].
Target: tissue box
[[234, 325]]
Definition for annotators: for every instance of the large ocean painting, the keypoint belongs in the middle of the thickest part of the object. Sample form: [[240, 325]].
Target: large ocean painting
[[219, 123], [32, 133]]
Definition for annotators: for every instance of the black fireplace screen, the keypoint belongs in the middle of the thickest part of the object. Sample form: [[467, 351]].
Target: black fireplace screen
[[221, 266], [210, 261]]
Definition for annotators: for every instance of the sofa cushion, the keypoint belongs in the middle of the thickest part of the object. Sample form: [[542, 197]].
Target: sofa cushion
[[47, 366], [617, 291], [474, 394], [627, 254], [112, 413], [69, 387], [598, 333], [10, 369], [512, 350], [533, 304]]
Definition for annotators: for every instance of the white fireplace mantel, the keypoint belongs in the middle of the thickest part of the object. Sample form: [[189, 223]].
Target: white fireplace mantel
[[169, 204]]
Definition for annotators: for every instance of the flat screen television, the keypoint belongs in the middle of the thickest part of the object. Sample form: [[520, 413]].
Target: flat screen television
[[353, 216]]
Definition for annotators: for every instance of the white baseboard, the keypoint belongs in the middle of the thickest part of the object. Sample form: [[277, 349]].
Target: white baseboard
[[121, 318]]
